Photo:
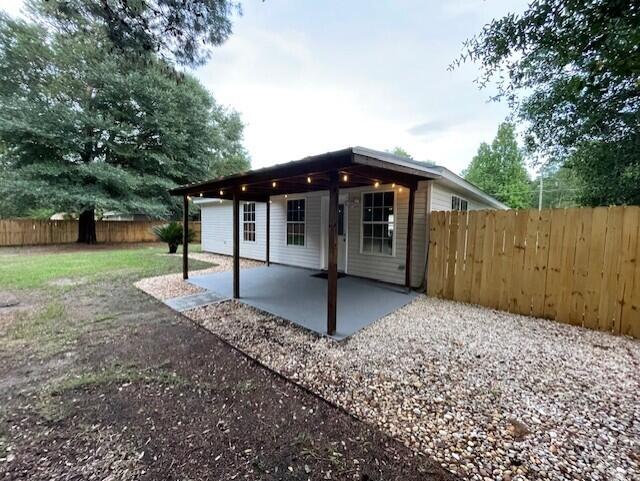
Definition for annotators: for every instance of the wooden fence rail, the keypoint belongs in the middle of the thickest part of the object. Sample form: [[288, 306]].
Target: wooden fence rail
[[25, 232], [577, 266]]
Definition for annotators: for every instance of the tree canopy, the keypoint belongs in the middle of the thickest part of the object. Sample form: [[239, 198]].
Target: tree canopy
[[179, 31], [570, 70], [84, 128], [400, 152], [499, 169]]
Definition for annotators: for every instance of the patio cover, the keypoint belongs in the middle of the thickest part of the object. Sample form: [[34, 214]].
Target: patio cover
[[347, 168]]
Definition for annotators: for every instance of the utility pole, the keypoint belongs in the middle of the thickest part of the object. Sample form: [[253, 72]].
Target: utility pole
[[540, 193]]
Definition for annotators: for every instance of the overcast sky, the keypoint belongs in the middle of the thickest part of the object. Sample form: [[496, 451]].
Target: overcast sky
[[310, 77]]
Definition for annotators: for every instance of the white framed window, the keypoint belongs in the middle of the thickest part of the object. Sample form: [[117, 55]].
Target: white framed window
[[249, 221], [296, 222], [458, 203], [378, 223]]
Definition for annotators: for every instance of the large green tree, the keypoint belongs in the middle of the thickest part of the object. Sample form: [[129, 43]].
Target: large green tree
[[499, 169], [180, 31], [570, 69], [86, 130]]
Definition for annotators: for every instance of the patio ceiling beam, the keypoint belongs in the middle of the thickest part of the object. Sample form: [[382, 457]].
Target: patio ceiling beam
[[384, 176], [313, 165], [245, 196]]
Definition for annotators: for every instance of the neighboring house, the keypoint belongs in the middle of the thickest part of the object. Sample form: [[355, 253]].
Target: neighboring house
[[372, 221], [115, 216], [119, 216]]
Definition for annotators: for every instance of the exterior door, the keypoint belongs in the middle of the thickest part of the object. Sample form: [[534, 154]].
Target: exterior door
[[342, 239], [342, 233]]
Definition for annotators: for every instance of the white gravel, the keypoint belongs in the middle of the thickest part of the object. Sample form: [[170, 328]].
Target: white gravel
[[491, 395], [172, 285]]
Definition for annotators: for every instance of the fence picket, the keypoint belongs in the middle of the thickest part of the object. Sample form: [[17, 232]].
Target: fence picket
[[627, 267], [578, 266], [553, 285]]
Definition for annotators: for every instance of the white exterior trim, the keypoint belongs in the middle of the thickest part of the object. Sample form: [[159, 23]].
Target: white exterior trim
[[395, 220], [287, 198], [430, 195]]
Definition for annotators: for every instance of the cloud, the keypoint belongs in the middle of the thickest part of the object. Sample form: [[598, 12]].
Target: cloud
[[429, 128]]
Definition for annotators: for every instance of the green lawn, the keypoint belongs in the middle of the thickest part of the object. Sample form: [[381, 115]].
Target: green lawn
[[38, 269]]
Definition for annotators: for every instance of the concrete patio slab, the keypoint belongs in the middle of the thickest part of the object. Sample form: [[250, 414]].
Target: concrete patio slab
[[294, 294]]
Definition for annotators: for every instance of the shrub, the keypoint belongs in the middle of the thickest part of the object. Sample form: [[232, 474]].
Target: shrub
[[171, 233]]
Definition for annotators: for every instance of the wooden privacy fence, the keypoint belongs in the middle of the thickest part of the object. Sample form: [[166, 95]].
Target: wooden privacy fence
[[24, 232], [578, 266]]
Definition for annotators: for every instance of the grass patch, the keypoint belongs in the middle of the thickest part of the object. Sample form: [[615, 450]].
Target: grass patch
[[37, 270], [119, 375], [44, 329], [52, 408], [51, 329]]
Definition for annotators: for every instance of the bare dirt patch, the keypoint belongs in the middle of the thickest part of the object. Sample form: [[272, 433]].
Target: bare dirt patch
[[139, 392]]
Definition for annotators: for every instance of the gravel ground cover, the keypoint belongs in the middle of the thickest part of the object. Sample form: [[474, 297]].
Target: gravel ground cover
[[172, 285], [490, 395]]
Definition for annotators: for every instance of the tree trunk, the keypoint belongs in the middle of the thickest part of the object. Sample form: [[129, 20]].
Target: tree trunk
[[87, 227]]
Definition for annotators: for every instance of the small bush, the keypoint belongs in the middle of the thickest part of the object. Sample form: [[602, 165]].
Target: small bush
[[171, 233]]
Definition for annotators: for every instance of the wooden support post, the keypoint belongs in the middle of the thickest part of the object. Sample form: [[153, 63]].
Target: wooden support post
[[332, 268], [185, 237], [236, 246], [268, 231], [407, 262]]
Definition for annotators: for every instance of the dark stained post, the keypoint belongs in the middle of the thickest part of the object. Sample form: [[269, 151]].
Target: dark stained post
[[268, 230], [407, 262], [332, 268], [185, 237], [236, 246]]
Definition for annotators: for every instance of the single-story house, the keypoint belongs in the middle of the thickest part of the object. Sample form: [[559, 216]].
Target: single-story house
[[355, 211]]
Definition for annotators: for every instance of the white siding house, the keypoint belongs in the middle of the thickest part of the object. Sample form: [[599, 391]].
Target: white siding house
[[355, 257]]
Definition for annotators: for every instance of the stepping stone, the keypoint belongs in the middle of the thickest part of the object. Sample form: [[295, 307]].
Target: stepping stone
[[195, 300]]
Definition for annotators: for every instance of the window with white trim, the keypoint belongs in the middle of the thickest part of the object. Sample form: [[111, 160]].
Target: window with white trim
[[458, 203], [378, 222], [249, 221], [295, 222]]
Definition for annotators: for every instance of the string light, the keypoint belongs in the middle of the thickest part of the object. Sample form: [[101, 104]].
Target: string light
[[285, 196], [274, 183], [377, 184], [308, 180], [393, 186], [400, 189], [221, 193], [345, 177], [244, 187], [200, 194]]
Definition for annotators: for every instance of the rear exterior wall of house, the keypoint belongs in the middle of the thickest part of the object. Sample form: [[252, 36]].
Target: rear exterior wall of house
[[217, 231]]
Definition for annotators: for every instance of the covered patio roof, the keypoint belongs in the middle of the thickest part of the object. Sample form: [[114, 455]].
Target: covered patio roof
[[347, 168], [357, 166]]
